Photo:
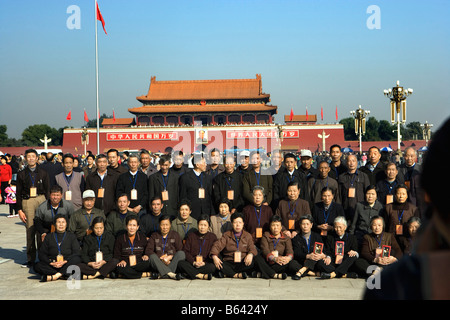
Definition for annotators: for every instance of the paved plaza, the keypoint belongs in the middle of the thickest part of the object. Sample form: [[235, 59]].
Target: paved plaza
[[17, 283]]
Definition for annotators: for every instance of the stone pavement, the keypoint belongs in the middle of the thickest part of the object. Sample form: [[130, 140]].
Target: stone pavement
[[17, 283]]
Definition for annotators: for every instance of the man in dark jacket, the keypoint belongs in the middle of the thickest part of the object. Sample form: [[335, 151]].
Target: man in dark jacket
[[135, 184], [228, 185], [374, 168], [196, 186], [164, 184], [103, 183], [284, 177]]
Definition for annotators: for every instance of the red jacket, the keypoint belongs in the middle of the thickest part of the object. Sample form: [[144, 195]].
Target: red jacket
[[5, 172]]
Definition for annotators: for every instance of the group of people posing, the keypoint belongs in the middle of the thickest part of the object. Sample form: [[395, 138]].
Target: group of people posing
[[225, 217]]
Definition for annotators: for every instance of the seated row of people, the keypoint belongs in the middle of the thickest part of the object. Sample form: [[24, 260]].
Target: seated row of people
[[164, 255]]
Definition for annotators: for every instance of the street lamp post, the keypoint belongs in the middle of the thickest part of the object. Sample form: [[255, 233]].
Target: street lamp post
[[398, 96], [426, 131], [360, 123]]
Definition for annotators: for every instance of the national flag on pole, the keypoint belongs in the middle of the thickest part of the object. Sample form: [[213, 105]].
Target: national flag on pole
[[336, 114], [306, 113], [100, 18], [291, 116], [85, 116], [69, 116], [114, 116], [321, 112]]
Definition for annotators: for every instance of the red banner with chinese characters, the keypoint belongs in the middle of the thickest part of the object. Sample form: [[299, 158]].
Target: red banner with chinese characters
[[142, 136], [261, 134]]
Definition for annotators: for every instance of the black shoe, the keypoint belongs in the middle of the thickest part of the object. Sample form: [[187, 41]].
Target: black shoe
[[154, 276], [325, 275], [113, 275], [178, 276], [220, 275], [296, 277], [43, 278], [283, 276], [352, 275], [244, 275], [209, 276]]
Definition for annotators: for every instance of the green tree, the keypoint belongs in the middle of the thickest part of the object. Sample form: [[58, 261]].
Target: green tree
[[93, 123], [349, 128], [31, 135], [385, 131], [3, 134]]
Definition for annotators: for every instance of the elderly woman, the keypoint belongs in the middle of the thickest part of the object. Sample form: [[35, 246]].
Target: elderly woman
[[379, 248], [278, 254], [129, 250], [364, 212], [325, 212], [184, 223], [198, 264], [237, 250], [59, 251], [97, 253], [343, 250], [220, 223], [309, 250], [399, 212], [165, 251], [406, 241], [257, 215]]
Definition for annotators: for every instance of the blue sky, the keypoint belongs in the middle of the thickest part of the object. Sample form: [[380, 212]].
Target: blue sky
[[309, 53]]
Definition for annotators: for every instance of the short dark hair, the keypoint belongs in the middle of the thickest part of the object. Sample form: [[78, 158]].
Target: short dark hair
[[98, 219], [164, 158], [275, 218], [122, 195], [204, 217], [164, 217], [371, 187], [306, 217], [290, 155], [131, 217], [101, 156], [56, 188], [236, 215], [113, 150], [68, 155], [184, 202], [335, 146], [31, 151], [59, 216]]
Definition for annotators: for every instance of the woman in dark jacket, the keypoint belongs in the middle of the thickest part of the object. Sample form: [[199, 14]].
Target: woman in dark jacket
[[399, 212], [58, 252], [309, 249], [277, 253], [129, 249], [379, 248], [97, 252], [364, 212], [165, 250], [198, 264]]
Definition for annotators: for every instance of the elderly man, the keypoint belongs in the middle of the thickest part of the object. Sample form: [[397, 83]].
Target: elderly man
[[46, 212], [352, 185], [374, 168], [72, 183], [196, 186], [410, 172], [80, 221], [103, 183], [135, 184]]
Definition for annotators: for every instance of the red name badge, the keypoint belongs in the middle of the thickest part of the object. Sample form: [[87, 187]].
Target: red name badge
[[339, 251], [318, 248], [386, 251]]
